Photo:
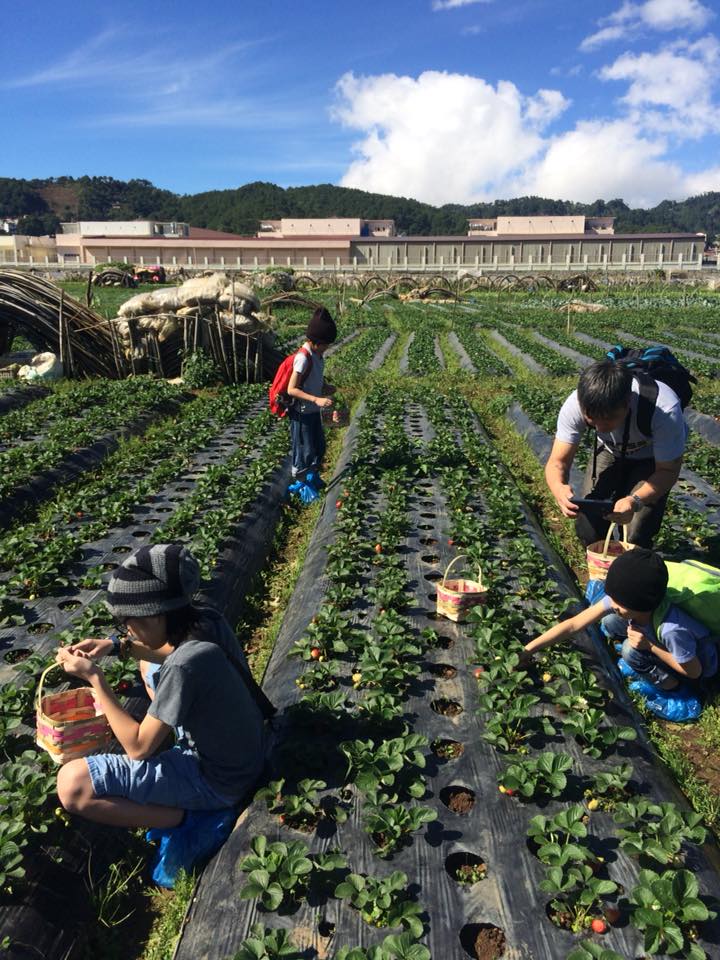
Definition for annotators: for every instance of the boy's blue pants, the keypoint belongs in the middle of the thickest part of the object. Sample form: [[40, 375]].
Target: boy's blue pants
[[307, 439]]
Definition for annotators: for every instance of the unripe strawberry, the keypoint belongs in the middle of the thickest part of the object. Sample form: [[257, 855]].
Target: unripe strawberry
[[356, 677], [593, 803]]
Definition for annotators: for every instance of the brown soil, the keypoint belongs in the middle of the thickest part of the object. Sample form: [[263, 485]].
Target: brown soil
[[489, 943], [442, 670], [448, 708], [447, 749], [458, 799]]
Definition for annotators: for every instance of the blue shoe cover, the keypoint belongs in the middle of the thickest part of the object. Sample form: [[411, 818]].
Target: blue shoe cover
[[315, 481], [308, 494], [594, 591], [626, 670], [295, 488], [200, 834], [678, 705]]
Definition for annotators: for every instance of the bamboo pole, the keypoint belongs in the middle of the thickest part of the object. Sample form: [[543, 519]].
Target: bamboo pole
[[234, 333]]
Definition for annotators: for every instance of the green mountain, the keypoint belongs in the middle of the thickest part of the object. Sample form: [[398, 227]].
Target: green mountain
[[42, 204]]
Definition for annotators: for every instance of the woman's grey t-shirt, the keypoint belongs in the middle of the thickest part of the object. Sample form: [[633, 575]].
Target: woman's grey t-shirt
[[200, 690], [669, 429]]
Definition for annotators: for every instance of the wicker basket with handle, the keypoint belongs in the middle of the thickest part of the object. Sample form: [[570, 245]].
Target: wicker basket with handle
[[601, 553], [69, 724], [455, 598]]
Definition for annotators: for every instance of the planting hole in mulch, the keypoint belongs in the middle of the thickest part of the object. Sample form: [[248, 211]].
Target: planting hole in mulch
[[428, 516], [442, 670], [182, 489], [448, 708], [447, 749], [426, 526], [107, 567], [430, 558], [482, 941], [163, 509], [457, 798], [40, 627], [433, 575], [428, 541], [465, 868], [15, 656], [69, 604], [141, 533], [123, 548]]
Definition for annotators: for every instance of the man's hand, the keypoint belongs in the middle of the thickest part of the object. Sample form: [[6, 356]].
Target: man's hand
[[637, 639], [93, 647], [562, 497], [77, 664], [622, 511], [323, 402]]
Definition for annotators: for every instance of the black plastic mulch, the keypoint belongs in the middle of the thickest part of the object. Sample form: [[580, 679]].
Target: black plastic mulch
[[494, 829]]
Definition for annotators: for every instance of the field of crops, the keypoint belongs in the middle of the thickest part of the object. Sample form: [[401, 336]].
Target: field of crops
[[432, 798]]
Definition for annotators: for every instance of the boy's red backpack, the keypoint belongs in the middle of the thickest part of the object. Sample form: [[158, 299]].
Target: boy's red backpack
[[279, 400]]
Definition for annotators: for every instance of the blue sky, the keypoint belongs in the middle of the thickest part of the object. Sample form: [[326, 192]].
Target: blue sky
[[441, 100]]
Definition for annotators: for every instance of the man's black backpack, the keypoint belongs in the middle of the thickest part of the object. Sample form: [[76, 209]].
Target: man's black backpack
[[649, 365]]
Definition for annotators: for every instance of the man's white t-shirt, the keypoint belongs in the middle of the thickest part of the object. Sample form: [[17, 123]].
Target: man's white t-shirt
[[669, 429], [313, 383]]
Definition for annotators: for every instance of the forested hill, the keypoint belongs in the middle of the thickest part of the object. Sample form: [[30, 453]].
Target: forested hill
[[42, 204]]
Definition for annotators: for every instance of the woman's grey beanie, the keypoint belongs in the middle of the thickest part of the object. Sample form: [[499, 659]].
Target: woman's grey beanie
[[153, 580]]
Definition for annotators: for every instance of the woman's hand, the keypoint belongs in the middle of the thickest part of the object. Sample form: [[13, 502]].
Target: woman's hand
[[78, 664], [93, 647]]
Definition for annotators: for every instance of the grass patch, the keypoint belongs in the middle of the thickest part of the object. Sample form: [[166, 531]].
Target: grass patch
[[171, 908]]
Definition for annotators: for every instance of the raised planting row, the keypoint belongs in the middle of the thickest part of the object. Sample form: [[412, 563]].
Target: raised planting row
[[115, 405], [384, 833]]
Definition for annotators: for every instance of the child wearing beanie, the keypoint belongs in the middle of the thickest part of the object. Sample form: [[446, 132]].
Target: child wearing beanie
[[308, 388], [663, 654], [201, 691]]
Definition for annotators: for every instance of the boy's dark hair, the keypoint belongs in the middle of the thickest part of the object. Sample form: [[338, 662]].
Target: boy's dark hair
[[604, 387], [179, 623]]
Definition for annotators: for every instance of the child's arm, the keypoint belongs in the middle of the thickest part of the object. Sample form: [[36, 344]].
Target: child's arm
[[566, 628], [295, 391]]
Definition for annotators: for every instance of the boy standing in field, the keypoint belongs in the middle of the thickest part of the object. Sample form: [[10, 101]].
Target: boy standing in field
[[308, 389], [662, 644]]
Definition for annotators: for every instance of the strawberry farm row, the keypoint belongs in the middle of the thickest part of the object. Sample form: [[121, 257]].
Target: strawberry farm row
[[432, 798]]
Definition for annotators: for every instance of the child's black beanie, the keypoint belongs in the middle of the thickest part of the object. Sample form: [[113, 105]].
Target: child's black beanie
[[321, 328], [637, 580]]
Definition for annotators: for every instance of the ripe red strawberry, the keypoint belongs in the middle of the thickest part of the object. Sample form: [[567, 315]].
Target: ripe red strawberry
[[598, 925], [338, 504], [510, 792], [451, 543], [378, 548], [315, 653], [478, 672], [123, 686]]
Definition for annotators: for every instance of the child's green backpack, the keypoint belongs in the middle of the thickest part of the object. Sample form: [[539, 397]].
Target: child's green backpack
[[695, 588]]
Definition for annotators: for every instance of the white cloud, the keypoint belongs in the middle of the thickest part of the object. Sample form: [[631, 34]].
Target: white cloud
[[441, 137], [663, 15], [454, 4], [670, 90], [445, 138]]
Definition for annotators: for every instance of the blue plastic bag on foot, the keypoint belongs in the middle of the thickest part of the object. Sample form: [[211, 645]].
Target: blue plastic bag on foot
[[679, 705], [200, 834]]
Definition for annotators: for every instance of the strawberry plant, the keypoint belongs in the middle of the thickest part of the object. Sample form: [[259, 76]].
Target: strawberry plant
[[382, 901], [667, 909], [544, 775], [389, 826], [380, 668], [264, 944], [657, 830], [556, 837], [508, 730], [594, 738], [609, 787], [388, 769], [302, 809], [280, 873], [394, 947], [592, 951], [577, 895], [12, 842], [321, 676]]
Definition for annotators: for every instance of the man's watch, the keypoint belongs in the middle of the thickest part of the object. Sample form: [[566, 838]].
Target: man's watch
[[637, 502]]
